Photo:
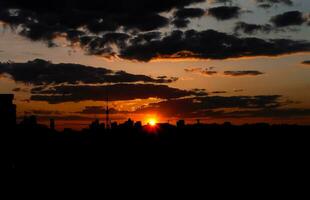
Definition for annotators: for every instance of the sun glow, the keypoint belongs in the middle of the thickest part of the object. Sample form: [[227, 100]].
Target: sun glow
[[152, 122]]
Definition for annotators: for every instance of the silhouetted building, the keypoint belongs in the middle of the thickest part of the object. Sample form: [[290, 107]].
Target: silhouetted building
[[102, 126], [165, 126], [138, 125], [7, 110], [227, 124], [95, 125], [52, 124], [114, 125], [107, 120], [29, 121], [181, 124], [129, 123]]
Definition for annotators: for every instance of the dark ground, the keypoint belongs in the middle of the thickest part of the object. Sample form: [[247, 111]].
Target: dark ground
[[168, 147]]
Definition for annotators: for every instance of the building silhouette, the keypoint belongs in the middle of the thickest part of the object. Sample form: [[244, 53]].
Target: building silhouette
[[29, 121], [95, 125], [7, 110], [52, 124], [181, 123]]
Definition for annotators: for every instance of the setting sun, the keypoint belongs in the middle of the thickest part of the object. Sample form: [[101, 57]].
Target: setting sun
[[152, 122]]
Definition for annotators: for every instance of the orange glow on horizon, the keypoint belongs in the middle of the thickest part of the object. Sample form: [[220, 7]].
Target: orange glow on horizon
[[152, 122]]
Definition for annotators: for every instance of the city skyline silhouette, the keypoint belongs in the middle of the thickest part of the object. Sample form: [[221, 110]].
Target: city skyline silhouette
[[147, 82]]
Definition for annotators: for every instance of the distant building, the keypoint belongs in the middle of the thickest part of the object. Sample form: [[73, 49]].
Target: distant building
[[138, 125], [114, 125], [129, 123], [102, 126], [95, 125], [52, 124], [29, 121], [180, 123], [7, 110]]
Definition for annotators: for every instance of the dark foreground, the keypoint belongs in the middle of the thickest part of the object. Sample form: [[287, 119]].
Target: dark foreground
[[165, 147]]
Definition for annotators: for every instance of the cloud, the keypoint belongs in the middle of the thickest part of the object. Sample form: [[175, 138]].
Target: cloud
[[71, 118], [197, 106], [306, 62], [145, 37], [224, 12], [43, 112], [290, 18], [41, 72], [266, 4], [209, 71], [181, 23], [219, 92], [253, 28], [16, 89], [221, 1], [116, 92], [243, 73], [130, 29], [96, 110], [41, 21], [217, 107], [238, 90], [270, 3], [192, 44], [182, 16], [275, 113], [107, 15], [189, 13]]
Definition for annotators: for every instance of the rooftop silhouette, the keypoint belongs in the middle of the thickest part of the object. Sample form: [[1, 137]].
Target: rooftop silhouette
[[7, 110], [31, 144]]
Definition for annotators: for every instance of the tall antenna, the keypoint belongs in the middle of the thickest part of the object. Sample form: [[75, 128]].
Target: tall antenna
[[107, 111]]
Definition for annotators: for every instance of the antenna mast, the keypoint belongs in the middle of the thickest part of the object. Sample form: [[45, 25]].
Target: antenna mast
[[107, 112]]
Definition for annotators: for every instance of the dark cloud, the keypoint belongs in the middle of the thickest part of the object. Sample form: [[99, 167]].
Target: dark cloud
[[243, 73], [96, 110], [95, 14], [143, 38], [181, 23], [117, 92], [41, 72], [219, 92], [42, 21], [70, 118], [238, 90], [222, 1], [270, 3], [43, 112], [253, 28], [16, 89], [129, 28], [224, 12], [288, 19], [192, 44], [306, 62], [266, 4], [101, 45], [189, 13], [275, 113], [207, 71], [267, 106], [196, 106], [182, 16]]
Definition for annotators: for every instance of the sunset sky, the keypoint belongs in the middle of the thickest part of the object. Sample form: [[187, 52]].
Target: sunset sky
[[242, 61]]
